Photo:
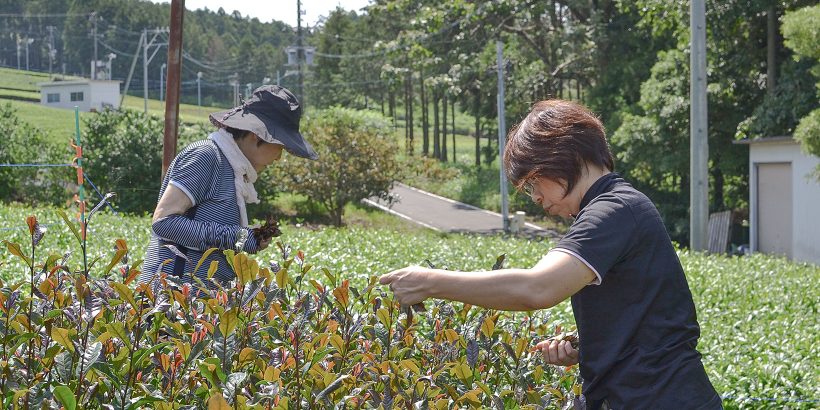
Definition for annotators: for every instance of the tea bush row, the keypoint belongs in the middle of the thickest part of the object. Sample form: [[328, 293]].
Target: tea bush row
[[76, 333], [757, 314]]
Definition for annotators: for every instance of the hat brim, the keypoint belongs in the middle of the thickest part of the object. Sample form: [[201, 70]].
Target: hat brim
[[267, 129]]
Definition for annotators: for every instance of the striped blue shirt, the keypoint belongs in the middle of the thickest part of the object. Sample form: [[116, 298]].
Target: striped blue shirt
[[203, 173]]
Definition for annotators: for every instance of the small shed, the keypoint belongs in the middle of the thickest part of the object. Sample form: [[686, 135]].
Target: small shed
[[87, 94], [784, 199]]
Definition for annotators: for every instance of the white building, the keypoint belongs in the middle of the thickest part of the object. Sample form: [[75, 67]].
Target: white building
[[87, 94], [784, 199]]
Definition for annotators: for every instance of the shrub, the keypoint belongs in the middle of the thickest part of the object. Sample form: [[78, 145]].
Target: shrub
[[124, 155], [356, 160], [272, 339], [23, 143]]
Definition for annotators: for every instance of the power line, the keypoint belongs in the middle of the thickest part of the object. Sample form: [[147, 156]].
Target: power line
[[44, 15], [119, 52]]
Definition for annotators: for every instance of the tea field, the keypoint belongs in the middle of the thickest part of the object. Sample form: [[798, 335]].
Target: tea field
[[759, 314]]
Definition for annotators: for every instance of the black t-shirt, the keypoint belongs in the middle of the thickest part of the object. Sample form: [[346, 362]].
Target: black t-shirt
[[638, 327]]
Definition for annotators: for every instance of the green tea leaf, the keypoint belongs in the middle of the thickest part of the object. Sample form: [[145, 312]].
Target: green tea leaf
[[125, 293], [16, 251], [203, 258], [114, 260], [63, 337], [70, 225], [228, 322], [66, 397]]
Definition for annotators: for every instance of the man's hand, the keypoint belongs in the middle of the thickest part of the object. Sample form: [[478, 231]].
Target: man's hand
[[558, 352]]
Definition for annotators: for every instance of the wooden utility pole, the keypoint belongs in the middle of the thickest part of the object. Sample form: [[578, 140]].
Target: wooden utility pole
[[698, 123], [169, 141]]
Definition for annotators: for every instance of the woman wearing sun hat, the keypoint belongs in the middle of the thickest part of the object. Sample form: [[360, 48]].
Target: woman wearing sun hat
[[203, 195]]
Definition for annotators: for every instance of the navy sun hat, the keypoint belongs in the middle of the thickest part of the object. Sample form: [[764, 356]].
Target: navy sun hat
[[273, 114]]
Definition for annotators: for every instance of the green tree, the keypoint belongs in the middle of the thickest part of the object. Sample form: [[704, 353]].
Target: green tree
[[356, 159], [800, 29]]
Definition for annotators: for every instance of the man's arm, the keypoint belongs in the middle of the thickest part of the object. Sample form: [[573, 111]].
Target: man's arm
[[555, 278]]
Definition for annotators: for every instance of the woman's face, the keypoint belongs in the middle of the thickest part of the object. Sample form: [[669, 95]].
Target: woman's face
[[260, 155], [550, 195]]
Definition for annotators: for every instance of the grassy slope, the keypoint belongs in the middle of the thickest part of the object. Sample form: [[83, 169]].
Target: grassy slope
[[19, 88], [757, 314]]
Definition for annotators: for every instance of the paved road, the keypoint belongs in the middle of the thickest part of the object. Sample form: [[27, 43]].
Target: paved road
[[446, 215]]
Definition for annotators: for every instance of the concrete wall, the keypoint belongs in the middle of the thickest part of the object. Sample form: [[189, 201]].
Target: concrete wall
[[96, 94], [805, 195]]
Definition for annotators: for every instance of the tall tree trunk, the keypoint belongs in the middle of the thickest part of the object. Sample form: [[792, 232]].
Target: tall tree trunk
[[717, 176], [476, 108], [381, 99], [410, 110], [392, 106], [490, 140], [771, 49], [453, 125], [436, 143], [425, 121], [444, 128], [578, 89], [407, 146]]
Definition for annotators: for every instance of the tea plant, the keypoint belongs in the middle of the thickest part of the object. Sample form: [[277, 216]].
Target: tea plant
[[87, 336], [758, 336]]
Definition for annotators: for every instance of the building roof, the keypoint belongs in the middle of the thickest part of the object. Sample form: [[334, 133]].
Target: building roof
[[76, 82], [783, 139]]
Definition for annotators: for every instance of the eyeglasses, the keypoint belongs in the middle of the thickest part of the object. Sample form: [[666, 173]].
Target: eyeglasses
[[528, 187]]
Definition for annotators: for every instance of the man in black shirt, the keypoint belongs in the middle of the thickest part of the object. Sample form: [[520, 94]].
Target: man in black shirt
[[635, 315]]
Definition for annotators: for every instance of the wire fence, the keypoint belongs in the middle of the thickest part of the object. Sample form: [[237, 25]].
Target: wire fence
[[41, 165]]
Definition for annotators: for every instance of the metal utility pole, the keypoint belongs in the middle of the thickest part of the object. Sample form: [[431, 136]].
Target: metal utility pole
[[131, 71], [502, 131], [145, 71], [93, 19], [162, 81], [28, 42], [300, 53], [698, 122], [233, 81], [198, 88], [19, 48], [52, 52], [147, 60], [111, 56], [169, 142]]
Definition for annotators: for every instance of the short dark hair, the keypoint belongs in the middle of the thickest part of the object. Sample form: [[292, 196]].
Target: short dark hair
[[239, 134], [556, 140]]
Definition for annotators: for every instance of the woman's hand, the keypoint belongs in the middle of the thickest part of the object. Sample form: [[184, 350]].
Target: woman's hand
[[558, 352], [408, 284], [264, 243]]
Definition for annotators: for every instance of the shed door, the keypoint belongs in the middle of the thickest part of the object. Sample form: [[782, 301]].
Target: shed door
[[774, 208]]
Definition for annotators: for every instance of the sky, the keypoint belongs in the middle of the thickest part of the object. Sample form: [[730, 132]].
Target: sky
[[282, 10]]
